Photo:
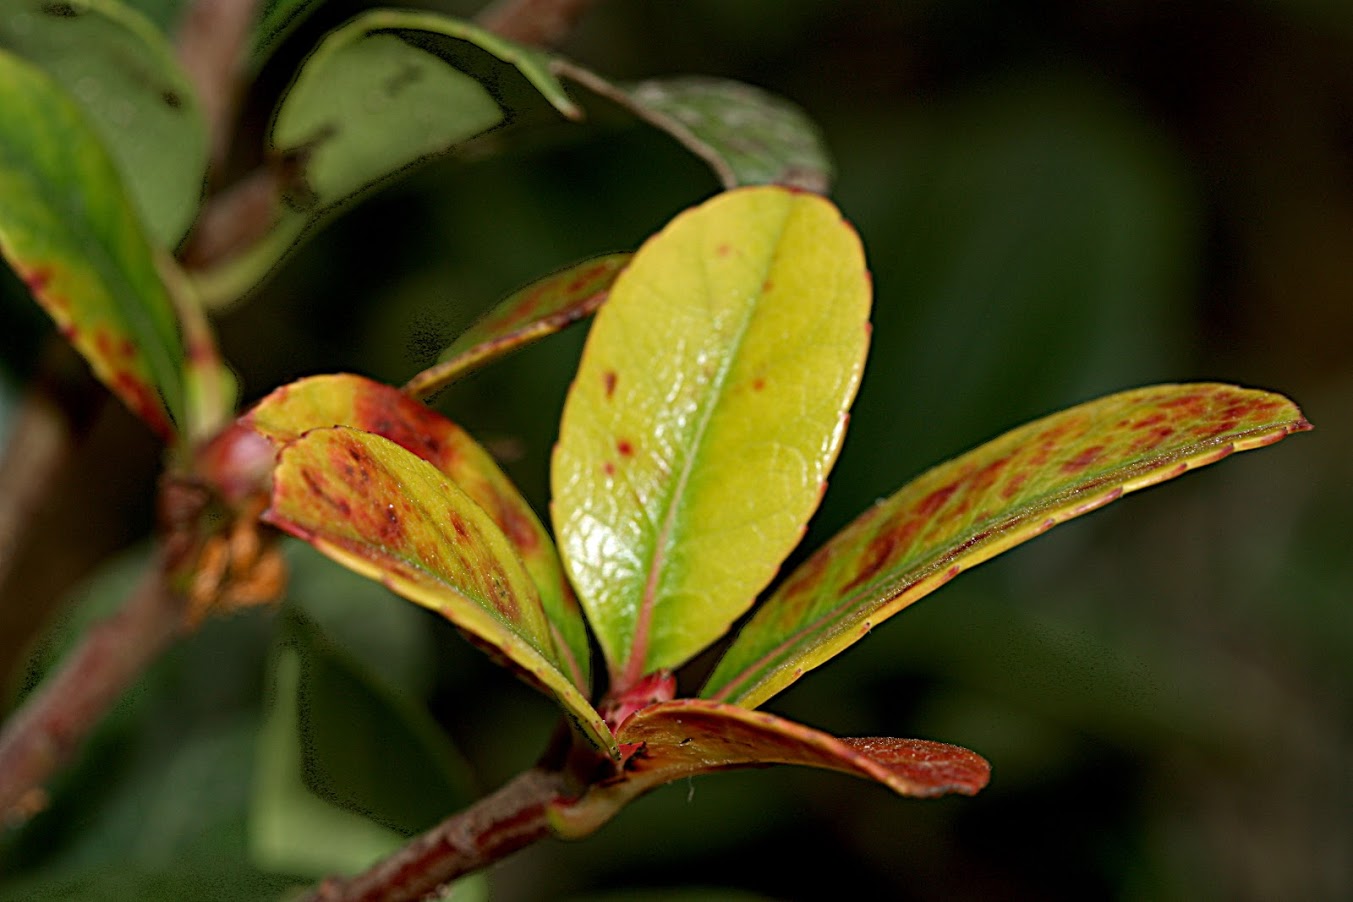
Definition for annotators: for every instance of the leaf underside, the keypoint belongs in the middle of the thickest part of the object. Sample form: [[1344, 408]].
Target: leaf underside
[[71, 234], [725, 358], [391, 516], [978, 505], [348, 400], [536, 311], [686, 737]]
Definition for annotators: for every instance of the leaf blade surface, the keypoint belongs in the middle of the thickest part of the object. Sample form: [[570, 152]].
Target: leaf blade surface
[[348, 400], [388, 514], [709, 405], [70, 232], [982, 503]]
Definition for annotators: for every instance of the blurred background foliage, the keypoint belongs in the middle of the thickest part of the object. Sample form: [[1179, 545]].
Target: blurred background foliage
[[1059, 200]]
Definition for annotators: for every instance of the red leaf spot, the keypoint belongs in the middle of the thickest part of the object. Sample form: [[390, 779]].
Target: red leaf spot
[[1152, 420], [767, 285], [1012, 488], [723, 250], [625, 448], [459, 525], [1083, 460], [758, 384], [608, 380], [880, 551], [608, 468], [515, 524], [408, 423], [931, 503], [37, 278]]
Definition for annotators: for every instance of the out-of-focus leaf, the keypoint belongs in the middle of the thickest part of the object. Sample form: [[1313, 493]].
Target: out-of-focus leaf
[[345, 767], [70, 232], [347, 400], [385, 91], [686, 737], [217, 881], [276, 19], [989, 500], [121, 71], [746, 135], [540, 309], [389, 515], [709, 405]]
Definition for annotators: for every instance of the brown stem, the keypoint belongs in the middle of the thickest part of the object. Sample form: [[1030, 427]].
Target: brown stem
[[211, 42], [493, 828], [538, 23], [45, 732], [40, 447]]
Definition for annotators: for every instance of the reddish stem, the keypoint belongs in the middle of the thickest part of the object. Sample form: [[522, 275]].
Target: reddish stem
[[46, 731], [493, 828], [538, 23]]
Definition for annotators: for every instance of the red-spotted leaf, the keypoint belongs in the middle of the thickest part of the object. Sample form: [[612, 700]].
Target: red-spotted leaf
[[391, 516], [682, 738], [709, 405], [70, 232], [538, 310], [348, 400], [974, 507]]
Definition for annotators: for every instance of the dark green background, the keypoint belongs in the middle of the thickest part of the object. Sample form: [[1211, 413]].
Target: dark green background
[[1059, 200]]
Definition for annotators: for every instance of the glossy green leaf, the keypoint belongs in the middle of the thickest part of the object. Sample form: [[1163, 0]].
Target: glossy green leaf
[[746, 135], [382, 93], [709, 405], [70, 232], [685, 737], [974, 507], [121, 71], [540, 309], [276, 19], [347, 400], [379, 510]]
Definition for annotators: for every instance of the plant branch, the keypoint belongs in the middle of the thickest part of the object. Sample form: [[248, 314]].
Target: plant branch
[[537, 23], [211, 42], [53, 722], [497, 825]]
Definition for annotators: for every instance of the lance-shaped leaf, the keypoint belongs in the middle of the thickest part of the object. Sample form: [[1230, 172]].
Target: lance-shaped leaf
[[540, 309], [385, 91], [682, 738], [348, 400], [708, 407], [974, 507], [70, 232], [391, 516], [121, 71], [746, 135]]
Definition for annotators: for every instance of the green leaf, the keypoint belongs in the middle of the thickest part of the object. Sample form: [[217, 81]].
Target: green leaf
[[709, 405], [686, 737], [540, 309], [382, 93], [121, 71], [746, 135], [345, 768], [379, 510], [987, 501], [347, 400], [276, 19], [70, 232]]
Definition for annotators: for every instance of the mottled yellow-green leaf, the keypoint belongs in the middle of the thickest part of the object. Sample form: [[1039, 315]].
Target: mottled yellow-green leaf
[[390, 515], [985, 502], [685, 737], [708, 408], [69, 230], [118, 67], [347, 400], [540, 309]]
